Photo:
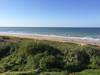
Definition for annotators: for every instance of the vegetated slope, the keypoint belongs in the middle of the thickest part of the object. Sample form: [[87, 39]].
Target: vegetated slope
[[47, 56]]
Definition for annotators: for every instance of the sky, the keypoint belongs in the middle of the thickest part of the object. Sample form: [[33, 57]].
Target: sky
[[49, 13]]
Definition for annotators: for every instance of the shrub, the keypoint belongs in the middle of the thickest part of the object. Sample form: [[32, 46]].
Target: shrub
[[6, 49], [75, 60], [50, 62]]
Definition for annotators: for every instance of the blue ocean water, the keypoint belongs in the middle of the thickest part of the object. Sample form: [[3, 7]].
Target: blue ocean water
[[56, 31]]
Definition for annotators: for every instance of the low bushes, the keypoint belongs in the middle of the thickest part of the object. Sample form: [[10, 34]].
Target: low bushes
[[27, 55]]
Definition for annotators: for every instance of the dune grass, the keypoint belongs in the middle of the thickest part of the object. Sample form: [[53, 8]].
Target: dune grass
[[89, 72], [34, 57]]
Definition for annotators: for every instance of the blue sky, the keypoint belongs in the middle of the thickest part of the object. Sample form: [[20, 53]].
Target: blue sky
[[57, 13]]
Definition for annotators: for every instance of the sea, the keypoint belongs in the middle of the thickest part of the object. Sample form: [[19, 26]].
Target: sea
[[80, 32]]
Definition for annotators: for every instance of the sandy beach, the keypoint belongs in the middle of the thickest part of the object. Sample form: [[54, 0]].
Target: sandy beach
[[77, 40]]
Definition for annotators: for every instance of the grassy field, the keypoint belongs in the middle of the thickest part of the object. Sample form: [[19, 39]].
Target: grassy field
[[40, 57]]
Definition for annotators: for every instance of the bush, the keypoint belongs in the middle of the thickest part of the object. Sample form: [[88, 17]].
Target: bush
[[50, 62], [94, 54], [38, 47], [7, 49], [75, 60]]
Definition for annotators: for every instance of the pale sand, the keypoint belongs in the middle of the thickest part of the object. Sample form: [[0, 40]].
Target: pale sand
[[55, 38]]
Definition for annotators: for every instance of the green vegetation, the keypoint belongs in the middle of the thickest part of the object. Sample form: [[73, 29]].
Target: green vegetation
[[89, 72], [41, 57]]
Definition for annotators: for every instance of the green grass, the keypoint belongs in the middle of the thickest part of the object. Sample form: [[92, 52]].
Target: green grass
[[54, 73], [19, 73], [47, 57], [89, 72]]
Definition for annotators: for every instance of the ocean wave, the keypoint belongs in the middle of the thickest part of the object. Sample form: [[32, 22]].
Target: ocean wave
[[49, 35]]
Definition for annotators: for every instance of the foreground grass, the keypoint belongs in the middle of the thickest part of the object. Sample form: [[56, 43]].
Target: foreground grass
[[33, 73], [85, 72], [19, 73], [89, 72], [40, 57]]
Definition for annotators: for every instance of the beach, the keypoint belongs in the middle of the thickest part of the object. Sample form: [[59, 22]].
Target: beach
[[78, 40]]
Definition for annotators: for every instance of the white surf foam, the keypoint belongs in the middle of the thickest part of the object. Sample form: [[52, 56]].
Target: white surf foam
[[47, 35]]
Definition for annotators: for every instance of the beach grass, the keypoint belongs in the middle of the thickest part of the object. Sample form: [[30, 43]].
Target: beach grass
[[21, 56]]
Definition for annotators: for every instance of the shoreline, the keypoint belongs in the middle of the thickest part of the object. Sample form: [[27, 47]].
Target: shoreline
[[77, 40]]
